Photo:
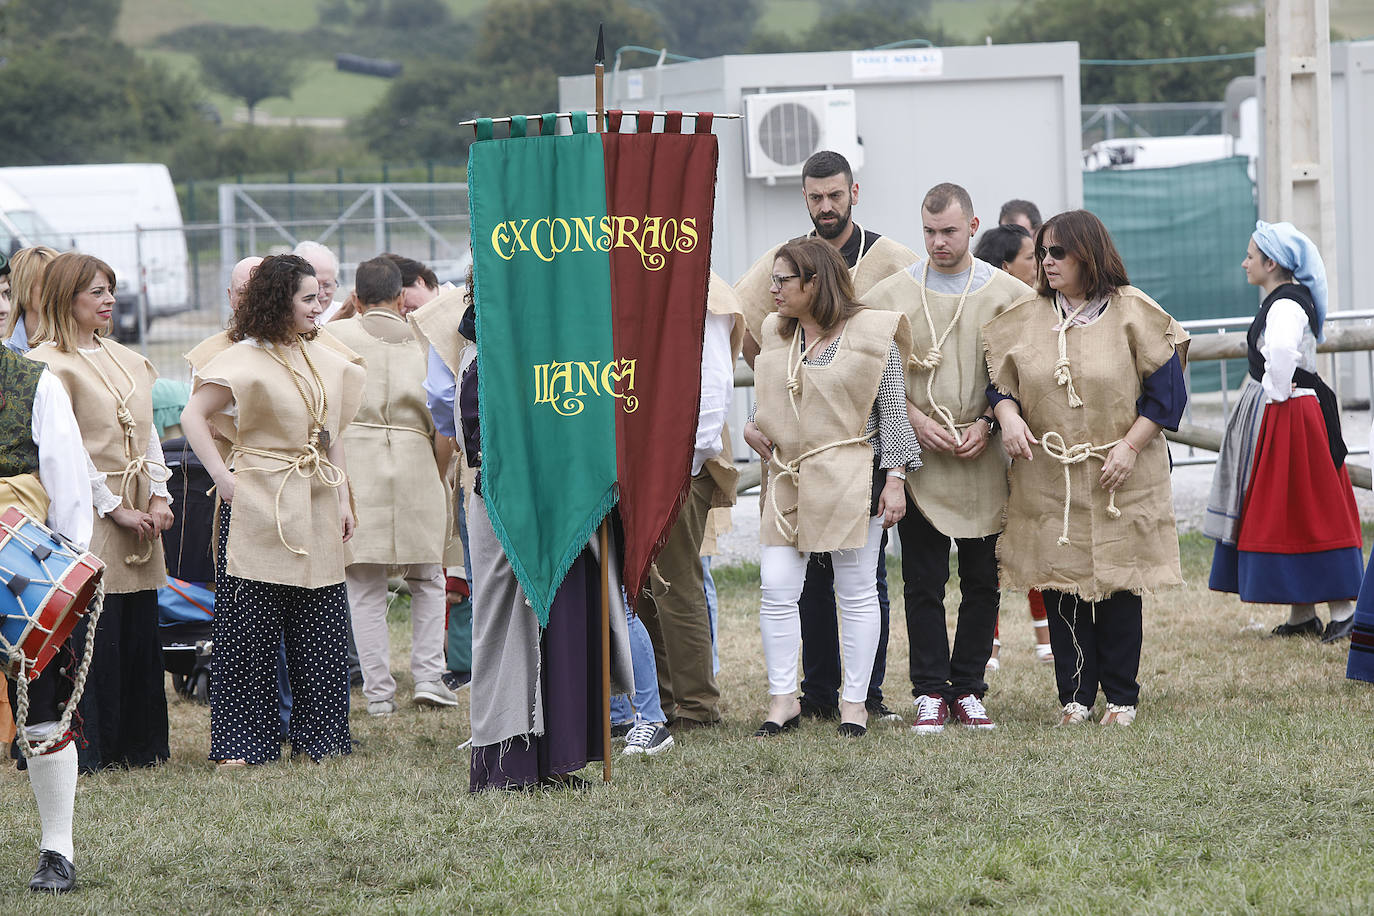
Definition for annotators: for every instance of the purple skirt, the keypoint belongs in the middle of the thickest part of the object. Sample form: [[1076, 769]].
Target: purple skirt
[[571, 667]]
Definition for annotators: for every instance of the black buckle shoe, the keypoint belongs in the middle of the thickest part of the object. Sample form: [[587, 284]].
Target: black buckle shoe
[[55, 874], [1309, 627]]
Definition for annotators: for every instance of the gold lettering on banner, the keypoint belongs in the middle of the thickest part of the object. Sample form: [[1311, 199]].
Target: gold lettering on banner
[[653, 238], [565, 386]]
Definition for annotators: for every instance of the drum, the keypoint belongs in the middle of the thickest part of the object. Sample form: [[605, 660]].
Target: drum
[[45, 585]]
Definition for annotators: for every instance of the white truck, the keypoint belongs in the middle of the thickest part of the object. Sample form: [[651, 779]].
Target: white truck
[[125, 214]]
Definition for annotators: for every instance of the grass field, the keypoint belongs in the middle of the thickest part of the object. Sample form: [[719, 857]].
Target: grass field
[[1243, 787]]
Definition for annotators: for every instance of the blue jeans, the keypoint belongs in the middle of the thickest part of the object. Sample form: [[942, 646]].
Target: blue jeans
[[710, 585], [645, 706]]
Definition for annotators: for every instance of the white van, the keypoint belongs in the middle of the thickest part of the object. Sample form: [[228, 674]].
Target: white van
[[125, 214], [21, 226]]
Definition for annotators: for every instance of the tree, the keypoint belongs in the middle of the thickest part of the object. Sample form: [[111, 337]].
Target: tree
[[72, 100], [39, 20], [857, 25], [1141, 29], [560, 35], [706, 28], [251, 74]]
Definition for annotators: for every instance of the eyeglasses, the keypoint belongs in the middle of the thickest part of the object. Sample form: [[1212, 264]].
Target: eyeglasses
[[1058, 252], [779, 280]]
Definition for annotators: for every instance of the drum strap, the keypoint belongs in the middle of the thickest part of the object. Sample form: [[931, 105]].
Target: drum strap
[[21, 710]]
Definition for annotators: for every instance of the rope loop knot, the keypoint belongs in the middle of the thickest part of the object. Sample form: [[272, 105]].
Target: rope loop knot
[[1054, 445]]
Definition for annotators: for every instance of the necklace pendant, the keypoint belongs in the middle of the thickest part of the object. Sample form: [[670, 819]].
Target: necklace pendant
[[322, 439]]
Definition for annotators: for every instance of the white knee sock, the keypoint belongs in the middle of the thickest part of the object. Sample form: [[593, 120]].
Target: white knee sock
[[1343, 609], [53, 778], [1301, 613]]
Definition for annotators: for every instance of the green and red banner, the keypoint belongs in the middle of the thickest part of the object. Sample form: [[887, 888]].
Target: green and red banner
[[591, 258]]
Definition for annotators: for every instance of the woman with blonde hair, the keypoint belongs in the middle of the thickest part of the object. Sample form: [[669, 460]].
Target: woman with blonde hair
[[26, 287], [831, 422], [124, 709]]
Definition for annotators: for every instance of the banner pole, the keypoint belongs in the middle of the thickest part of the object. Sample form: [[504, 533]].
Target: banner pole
[[600, 73]]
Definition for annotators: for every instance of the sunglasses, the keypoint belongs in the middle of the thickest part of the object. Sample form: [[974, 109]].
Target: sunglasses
[[1058, 252]]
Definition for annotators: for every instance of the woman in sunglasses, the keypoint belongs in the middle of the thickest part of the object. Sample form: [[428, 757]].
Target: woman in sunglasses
[[1086, 375], [830, 420], [1281, 508]]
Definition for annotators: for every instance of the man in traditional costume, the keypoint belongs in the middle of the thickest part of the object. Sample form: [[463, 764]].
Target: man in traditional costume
[[402, 520], [961, 491], [675, 615], [44, 468], [830, 194]]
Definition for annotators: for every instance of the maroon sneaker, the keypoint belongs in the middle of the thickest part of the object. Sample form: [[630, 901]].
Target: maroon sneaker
[[968, 709], [931, 714]]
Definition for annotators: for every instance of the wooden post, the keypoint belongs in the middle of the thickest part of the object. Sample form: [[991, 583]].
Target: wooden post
[[605, 522]]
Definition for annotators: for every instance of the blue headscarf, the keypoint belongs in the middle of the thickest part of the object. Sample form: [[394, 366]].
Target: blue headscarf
[[1296, 253]]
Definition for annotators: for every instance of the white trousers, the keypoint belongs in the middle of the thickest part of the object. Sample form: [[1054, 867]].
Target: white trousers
[[367, 607], [783, 573]]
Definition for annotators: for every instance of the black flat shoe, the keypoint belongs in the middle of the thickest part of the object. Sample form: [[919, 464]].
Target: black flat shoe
[[851, 730], [55, 875], [1337, 630], [1310, 627], [770, 728]]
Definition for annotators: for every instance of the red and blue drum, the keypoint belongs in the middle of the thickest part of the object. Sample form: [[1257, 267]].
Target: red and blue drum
[[45, 585]]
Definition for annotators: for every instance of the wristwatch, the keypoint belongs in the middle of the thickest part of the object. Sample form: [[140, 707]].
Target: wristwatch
[[993, 425]]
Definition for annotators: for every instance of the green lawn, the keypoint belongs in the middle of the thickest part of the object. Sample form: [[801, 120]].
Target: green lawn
[[1243, 787]]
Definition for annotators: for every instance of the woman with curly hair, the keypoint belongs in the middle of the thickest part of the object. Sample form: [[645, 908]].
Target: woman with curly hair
[[281, 553], [124, 711]]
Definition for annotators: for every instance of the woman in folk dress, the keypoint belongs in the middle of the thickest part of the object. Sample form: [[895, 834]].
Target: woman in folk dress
[[282, 549], [124, 708]]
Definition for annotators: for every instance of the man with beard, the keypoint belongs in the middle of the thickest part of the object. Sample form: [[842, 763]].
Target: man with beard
[[830, 194]]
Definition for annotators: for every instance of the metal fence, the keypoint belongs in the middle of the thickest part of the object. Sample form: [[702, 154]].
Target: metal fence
[[1150, 119]]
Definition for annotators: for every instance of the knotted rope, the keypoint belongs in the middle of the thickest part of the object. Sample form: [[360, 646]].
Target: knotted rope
[[136, 463], [792, 469], [1062, 376], [308, 464], [793, 383], [1054, 446], [934, 356], [21, 708]]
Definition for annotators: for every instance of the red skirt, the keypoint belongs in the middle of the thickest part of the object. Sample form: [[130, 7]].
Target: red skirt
[[1298, 501]]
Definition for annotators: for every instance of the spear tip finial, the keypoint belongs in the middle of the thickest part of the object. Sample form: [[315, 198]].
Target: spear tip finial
[[601, 43]]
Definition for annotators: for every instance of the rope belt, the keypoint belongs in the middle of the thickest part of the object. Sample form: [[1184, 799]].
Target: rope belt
[[400, 429], [310, 462], [156, 472], [792, 469], [1054, 446]]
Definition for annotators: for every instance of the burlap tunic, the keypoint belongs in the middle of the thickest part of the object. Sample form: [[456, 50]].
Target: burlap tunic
[[1109, 360], [885, 258], [390, 446], [282, 503], [131, 565], [961, 498], [833, 489]]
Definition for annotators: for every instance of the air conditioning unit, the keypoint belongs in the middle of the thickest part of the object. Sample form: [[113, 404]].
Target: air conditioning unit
[[785, 128]]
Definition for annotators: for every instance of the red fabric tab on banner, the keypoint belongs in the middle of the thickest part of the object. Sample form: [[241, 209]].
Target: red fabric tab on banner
[[644, 121], [672, 122], [660, 189], [613, 118], [704, 119]]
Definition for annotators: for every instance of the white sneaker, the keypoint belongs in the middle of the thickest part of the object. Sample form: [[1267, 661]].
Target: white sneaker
[[1074, 714], [1118, 715], [434, 693], [647, 738], [381, 708]]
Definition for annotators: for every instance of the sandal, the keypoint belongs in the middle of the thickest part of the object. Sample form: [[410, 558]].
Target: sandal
[[769, 728]]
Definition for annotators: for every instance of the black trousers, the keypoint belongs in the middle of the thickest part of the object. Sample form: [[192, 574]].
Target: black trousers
[[935, 670], [1095, 643], [820, 633]]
